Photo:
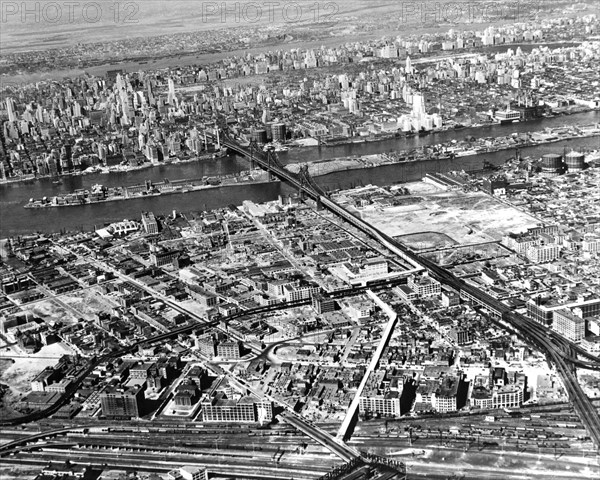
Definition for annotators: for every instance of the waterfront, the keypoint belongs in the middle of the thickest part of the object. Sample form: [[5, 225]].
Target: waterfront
[[17, 220], [407, 143]]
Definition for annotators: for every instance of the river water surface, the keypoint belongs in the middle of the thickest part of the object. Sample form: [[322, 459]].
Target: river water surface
[[14, 219]]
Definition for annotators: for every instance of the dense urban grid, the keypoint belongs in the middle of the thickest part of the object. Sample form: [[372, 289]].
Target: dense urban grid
[[447, 327]]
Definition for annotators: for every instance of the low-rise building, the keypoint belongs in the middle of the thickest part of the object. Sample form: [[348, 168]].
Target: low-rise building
[[424, 285], [507, 396], [446, 395], [229, 350], [385, 405], [543, 253], [569, 325], [220, 408], [122, 403]]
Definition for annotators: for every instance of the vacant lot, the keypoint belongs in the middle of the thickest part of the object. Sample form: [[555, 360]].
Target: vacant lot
[[18, 369], [464, 218]]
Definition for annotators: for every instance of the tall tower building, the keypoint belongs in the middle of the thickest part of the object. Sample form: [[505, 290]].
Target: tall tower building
[[11, 109], [418, 105], [266, 116], [171, 94]]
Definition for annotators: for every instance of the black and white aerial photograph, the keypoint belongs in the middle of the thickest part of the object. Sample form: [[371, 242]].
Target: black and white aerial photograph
[[299, 240]]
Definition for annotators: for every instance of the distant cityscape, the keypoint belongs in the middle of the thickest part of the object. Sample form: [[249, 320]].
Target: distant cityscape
[[145, 117], [444, 326]]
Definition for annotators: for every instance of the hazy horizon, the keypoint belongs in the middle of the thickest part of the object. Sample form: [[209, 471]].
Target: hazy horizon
[[119, 20]]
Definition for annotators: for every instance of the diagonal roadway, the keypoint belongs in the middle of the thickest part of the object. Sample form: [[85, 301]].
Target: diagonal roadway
[[559, 350]]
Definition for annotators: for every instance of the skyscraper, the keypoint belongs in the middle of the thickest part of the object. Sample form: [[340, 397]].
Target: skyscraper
[[408, 67], [171, 95], [11, 109], [418, 105]]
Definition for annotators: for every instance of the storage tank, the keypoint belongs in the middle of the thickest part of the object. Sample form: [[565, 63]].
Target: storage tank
[[260, 136], [575, 161], [552, 164]]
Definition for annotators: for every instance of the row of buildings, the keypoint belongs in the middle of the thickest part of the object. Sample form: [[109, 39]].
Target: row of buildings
[[151, 117]]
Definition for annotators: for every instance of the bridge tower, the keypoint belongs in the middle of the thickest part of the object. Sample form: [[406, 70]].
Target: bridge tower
[[272, 161], [269, 163], [218, 138], [308, 183], [254, 150], [303, 183]]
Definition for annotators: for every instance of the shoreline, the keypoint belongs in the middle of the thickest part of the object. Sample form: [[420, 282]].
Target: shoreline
[[218, 198], [334, 165], [377, 160], [103, 170], [151, 195], [247, 178], [346, 141]]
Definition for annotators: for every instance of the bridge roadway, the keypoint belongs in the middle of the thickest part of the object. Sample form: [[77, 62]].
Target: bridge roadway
[[561, 352], [64, 399], [338, 448], [342, 450], [352, 411]]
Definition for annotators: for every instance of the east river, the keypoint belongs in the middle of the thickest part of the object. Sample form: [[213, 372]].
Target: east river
[[14, 219]]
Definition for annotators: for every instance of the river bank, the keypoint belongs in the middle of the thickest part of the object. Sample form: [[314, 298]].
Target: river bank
[[102, 194], [475, 144], [16, 220], [105, 170], [447, 151]]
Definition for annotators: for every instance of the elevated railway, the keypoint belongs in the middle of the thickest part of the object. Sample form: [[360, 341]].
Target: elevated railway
[[562, 353], [559, 351]]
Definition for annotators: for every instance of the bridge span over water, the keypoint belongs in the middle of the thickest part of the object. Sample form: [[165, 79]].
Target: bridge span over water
[[562, 353]]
